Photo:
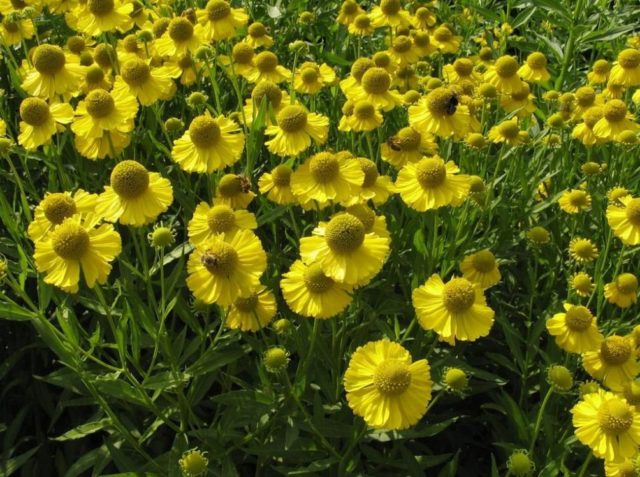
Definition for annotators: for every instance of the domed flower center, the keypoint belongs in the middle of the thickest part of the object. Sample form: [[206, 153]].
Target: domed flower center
[[266, 61], [220, 260], [431, 172], [309, 75], [70, 241], [578, 318], [324, 167], [458, 295], [601, 67], [509, 129], [180, 29], [407, 139], [382, 59], [231, 185], [390, 7], [103, 55], [582, 282], [100, 7], [537, 61], [315, 280], [615, 417], [364, 110], [615, 111], [364, 215], [591, 116], [627, 283], [95, 74], [292, 118], [585, 96], [99, 103], [392, 377], [578, 198], [86, 59], [421, 39], [521, 94], [370, 172], [246, 305], [135, 72], [402, 44], [633, 211], [349, 7], [218, 10], [129, 179], [360, 67], [405, 72], [221, 219], [242, 53], [506, 66], [268, 89], [463, 66], [204, 132], [57, 207], [48, 59], [442, 101], [130, 43], [34, 111], [376, 81], [185, 61], [257, 30], [10, 25], [583, 248], [344, 233], [629, 58], [362, 21], [281, 175], [484, 261], [443, 34], [615, 350]]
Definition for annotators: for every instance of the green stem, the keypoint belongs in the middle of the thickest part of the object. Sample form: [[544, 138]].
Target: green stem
[[536, 429]]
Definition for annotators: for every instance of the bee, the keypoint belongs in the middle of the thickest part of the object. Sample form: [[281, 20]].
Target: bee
[[394, 144], [452, 104], [245, 185], [209, 260]]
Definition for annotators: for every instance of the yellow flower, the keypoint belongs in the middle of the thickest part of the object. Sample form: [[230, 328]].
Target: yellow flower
[[440, 113], [39, 121], [535, 68], [53, 74], [267, 68], [444, 39], [310, 77], [623, 291], [135, 196], [180, 38], [276, 185], [13, 31], [349, 10], [345, 251], [364, 117], [575, 330], [607, 424], [456, 310], [351, 85], [57, 206], [504, 75], [210, 221], [235, 191], [430, 184], [519, 102], [73, 245], [481, 268], [375, 187], [99, 16], [615, 120], [390, 13], [374, 87], [582, 284], [423, 19], [507, 132], [222, 271], [624, 220], [309, 292], [385, 387], [361, 25], [147, 84], [585, 98], [599, 72], [584, 131], [408, 145], [102, 111], [209, 144], [614, 363], [295, 129], [461, 70], [626, 71], [583, 250], [219, 21], [253, 312], [622, 468], [402, 51], [258, 36], [574, 201]]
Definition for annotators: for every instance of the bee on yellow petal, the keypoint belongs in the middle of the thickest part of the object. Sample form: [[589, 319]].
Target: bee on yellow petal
[[408, 145], [440, 113], [575, 330], [40, 121], [235, 191], [210, 221]]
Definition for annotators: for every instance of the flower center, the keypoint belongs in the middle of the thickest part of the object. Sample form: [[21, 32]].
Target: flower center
[[309, 75], [421, 39], [246, 305], [390, 7], [129, 179], [349, 7], [231, 185], [392, 377], [615, 111], [522, 93], [578, 198], [615, 350], [364, 110], [408, 139], [509, 129], [629, 58], [615, 417], [281, 175], [364, 215], [315, 280], [292, 118], [578, 318], [180, 29], [34, 111], [70, 241], [324, 167], [627, 283], [506, 66], [458, 295], [370, 172], [57, 207], [376, 81], [48, 59], [537, 61], [362, 21], [344, 234], [268, 89], [218, 10], [633, 211], [402, 44], [442, 34], [135, 72], [266, 61], [95, 74], [185, 61], [99, 103], [582, 282], [601, 67], [583, 248], [442, 101], [220, 260], [130, 43], [463, 66], [242, 53], [360, 67], [257, 30], [220, 219], [585, 96], [100, 7], [104, 54], [431, 172], [484, 261], [10, 25], [591, 116], [204, 132]]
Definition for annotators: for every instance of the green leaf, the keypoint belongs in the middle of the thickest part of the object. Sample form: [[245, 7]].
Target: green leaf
[[83, 430], [13, 464]]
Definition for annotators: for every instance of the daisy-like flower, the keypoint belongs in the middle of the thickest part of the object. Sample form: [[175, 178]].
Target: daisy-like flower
[[504, 75], [364, 116], [408, 145], [135, 196], [345, 251], [310, 77], [599, 73], [14, 30], [608, 424], [582, 284], [371, 222], [519, 102], [574, 201], [583, 250], [626, 71], [375, 187], [481, 268], [584, 131], [222, 271], [241, 62], [444, 40], [623, 291], [99, 16], [624, 219], [585, 98], [622, 468], [440, 113], [210, 221], [374, 88], [102, 111], [253, 312], [276, 185], [615, 120], [361, 25], [274, 100], [349, 10], [257, 36], [147, 84], [309, 292], [209, 144], [402, 51], [73, 245], [39, 121], [351, 86], [53, 73], [616, 193], [235, 191], [431, 183], [424, 19], [385, 387], [614, 363], [323, 177], [456, 310], [267, 68], [575, 330], [462, 69], [295, 128], [219, 21], [535, 68], [390, 13], [507, 132], [180, 38], [57, 206]]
